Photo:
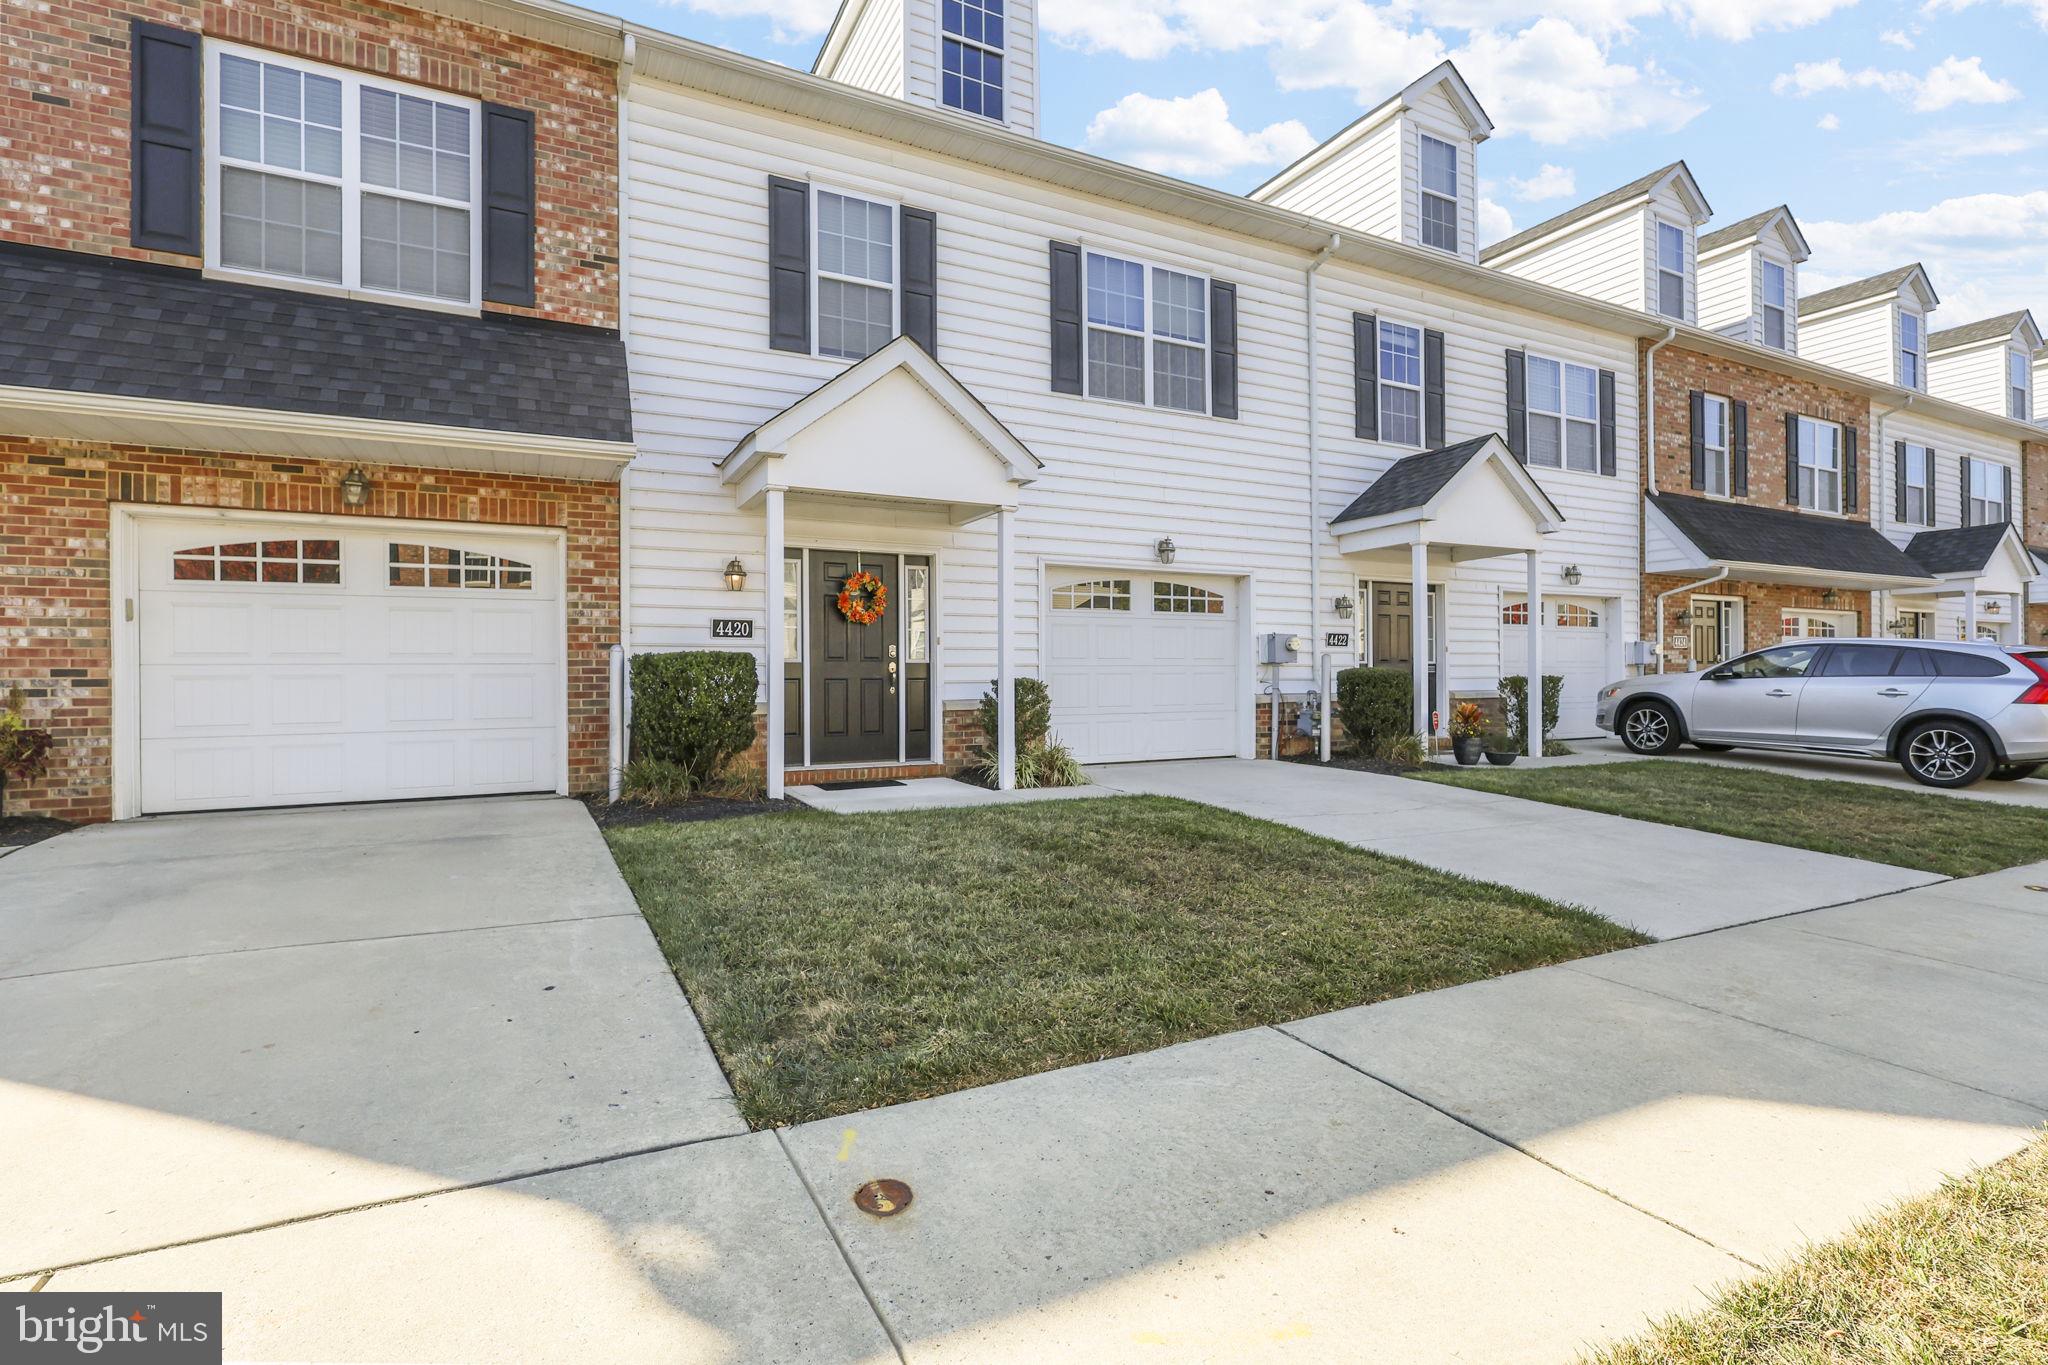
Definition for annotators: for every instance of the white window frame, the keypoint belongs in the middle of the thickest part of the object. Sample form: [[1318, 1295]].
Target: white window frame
[[1709, 403], [1383, 383], [1924, 486], [1424, 193], [1765, 307], [1917, 352], [1148, 336], [2019, 385], [1988, 474], [1682, 273], [1835, 471], [1562, 413], [351, 183], [1001, 54], [819, 273]]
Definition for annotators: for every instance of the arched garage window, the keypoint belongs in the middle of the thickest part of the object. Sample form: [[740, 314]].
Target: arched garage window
[[259, 561], [1185, 599], [1100, 594], [440, 566]]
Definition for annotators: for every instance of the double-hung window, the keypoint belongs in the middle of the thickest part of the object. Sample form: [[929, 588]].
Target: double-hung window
[[1820, 465], [1564, 415], [1774, 288], [333, 178], [1987, 493], [1670, 270], [1439, 193], [1714, 438], [971, 60], [1909, 350], [1148, 334], [1919, 485], [856, 275], [2019, 386], [1400, 383]]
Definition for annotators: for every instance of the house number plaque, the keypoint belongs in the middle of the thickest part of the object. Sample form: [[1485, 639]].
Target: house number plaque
[[731, 630], [1336, 639]]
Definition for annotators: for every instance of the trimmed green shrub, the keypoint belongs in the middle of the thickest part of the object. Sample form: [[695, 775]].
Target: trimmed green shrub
[[694, 709], [1041, 761], [1375, 705], [654, 782], [1514, 700]]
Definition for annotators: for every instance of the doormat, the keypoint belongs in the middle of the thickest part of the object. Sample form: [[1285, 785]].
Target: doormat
[[857, 786]]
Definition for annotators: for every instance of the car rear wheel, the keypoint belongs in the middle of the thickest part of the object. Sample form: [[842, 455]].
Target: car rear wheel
[[2013, 772], [1946, 753], [1649, 728]]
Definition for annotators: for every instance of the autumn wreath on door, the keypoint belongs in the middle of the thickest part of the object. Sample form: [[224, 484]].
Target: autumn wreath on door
[[863, 598]]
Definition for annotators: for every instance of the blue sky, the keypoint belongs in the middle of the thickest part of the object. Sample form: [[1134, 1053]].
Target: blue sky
[[1896, 131]]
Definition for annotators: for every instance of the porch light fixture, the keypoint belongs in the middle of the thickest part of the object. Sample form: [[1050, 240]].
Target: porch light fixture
[[1828, 596], [1897, 626], [735, 574], [1992, 607], [1572, 575], [1685, 618], [1164, 549], [355, 488], [1344, 605]]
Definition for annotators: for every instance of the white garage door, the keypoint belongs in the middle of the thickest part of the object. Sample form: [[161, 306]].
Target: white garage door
[[296, 664], [1575, 647], [1144, 666]]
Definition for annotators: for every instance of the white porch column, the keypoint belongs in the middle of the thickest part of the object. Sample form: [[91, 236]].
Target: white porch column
[[1969, 613], [1006, 668], [1534, 700], [1418, 620], [771, 630]]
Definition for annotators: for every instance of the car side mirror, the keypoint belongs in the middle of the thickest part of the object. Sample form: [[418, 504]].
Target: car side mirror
[[1720, 675]]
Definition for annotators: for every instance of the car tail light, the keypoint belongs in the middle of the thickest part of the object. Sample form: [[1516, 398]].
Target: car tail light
[[2037, 694]]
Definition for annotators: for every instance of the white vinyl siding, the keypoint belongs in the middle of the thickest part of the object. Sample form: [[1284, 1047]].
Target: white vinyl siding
[[874, 55], [1605, 259], [1727, 288], [1861, 339], [1986, 375], [1949, 442], [1361, 188]]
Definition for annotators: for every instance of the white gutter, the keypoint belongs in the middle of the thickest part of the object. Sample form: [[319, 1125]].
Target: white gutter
[[1666, 595], [1315, 509], [1881, 600], [1649, 406], [623, 654]]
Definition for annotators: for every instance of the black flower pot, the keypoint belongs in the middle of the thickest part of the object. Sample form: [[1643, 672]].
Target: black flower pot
[[1466, 750], [1501, 759]]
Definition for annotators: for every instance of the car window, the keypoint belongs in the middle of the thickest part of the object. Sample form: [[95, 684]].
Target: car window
[[1786, 661], [1956, 664], [1861, 661], [1915, 663]]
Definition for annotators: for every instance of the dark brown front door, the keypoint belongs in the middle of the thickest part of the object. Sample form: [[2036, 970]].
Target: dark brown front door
[[854, 705]]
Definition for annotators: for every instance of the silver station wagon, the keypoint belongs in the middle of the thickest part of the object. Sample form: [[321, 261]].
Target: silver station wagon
[[1950, 714]]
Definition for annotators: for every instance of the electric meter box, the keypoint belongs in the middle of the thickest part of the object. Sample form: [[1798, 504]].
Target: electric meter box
[[1276, 648]]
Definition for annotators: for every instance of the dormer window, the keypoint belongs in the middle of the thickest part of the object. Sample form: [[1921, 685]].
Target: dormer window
[[1911, 345], [1671, 270], [2019, 386], [1774, 305], [1439, 194], [971, 62]]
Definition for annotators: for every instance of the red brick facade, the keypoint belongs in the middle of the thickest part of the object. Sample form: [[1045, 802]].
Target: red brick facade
[[1763, 606], [2034, 523], [56, 611], [64, 108]]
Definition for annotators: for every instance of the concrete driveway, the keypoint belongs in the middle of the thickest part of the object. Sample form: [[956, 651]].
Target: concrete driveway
[[1659, 879], [2026, 792]]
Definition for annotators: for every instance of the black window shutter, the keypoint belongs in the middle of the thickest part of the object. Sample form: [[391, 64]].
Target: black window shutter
[[1849, 469], [1965, 466], [921, 278], [2008, 494], [789, 265], [1792, 459], [164, 123], [508, 205], [1067, 342], [1899, 480], [1608, 444], [1222, 349], [1696, 404], [1518, 405], [1738, 449], [1365, 376], [1433, 389]]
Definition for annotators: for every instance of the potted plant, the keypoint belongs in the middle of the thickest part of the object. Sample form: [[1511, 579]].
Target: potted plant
[[1468, 726], [24, 750], [1500, 749]]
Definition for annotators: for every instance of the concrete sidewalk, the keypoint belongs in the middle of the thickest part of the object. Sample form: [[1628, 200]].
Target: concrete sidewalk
[[1505, 1171], [1659, 879]]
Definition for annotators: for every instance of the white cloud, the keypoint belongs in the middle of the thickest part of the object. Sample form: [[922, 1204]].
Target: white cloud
[[793, 20], [1149, 29], [1191, 136], [1951, 81], [1556, 84], [1987, 253], [1828, 123], [2038, 8], [1494, 222], [1550, 182], [1736, 20], [1359, 46], [1896, 38]]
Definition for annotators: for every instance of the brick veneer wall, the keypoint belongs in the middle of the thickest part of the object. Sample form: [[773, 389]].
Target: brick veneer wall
[[1769, 396], [2034, 523], [64, 111], [56, 605], [1762, 605]]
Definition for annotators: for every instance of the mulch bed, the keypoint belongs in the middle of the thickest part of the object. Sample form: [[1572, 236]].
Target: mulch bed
[[627, 814], [1358, 763], [17, 831]]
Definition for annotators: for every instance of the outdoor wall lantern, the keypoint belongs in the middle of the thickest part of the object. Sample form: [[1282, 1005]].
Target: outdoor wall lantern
[[1572, 575], [1685, 618], [1164, 549], [735, 574], [1828, 596], [1344, 605], [355, 488]]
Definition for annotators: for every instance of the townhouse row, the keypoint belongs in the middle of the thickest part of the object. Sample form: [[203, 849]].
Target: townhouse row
[[376, 377]]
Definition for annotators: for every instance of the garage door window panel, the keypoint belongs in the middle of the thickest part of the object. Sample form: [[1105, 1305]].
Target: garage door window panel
[[413, 565], [1101, 594], [260, 561], [1185, 599]]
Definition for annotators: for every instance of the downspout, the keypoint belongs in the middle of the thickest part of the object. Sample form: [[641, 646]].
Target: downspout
[[1877, 444], [1318, 665], [1667, 594], [1650, 405], [622, 690]]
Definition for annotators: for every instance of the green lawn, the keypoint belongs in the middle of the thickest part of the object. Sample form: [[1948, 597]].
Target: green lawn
[[843, 962], [1924, 830], [1959, 1276]]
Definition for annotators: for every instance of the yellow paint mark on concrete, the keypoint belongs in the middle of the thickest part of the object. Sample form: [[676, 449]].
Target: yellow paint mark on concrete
[[846, 1145]]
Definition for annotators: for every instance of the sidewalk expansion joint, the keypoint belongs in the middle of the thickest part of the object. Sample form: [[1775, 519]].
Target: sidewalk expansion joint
[[860, 1281]]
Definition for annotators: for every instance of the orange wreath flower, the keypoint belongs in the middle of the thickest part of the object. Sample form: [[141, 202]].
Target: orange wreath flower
[[863, 598]]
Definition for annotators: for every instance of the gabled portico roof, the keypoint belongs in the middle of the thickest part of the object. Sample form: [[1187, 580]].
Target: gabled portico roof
[[1988, 558], [1473, 497]]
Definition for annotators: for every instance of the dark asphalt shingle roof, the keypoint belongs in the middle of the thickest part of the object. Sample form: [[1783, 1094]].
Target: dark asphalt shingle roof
[[1740, 230], [1957, 549], [1739, 533], [1989, 329], [1633, 189], [87, 324], [1859, 289], [1412, 481]]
